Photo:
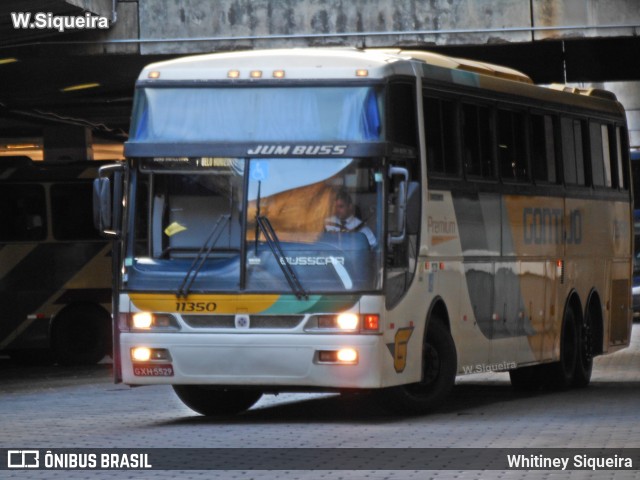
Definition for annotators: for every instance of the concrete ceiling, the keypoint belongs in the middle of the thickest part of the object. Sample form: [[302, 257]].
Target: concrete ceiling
[[32, 88]]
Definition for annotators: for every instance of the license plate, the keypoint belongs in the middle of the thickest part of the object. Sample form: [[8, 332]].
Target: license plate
[[153, 370]]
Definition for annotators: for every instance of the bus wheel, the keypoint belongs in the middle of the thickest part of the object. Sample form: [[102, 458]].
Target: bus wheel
[[211, 401], [584, 360], [439, 367], [80, 335], [561, 374]]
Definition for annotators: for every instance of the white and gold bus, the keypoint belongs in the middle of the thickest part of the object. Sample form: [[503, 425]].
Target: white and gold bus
[[489, 227]]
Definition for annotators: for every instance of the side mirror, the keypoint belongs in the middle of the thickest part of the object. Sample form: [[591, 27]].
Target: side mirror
[[107, 200], [102, 204]]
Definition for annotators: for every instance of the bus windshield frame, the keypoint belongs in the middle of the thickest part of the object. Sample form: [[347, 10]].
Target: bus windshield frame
[[198, 225]]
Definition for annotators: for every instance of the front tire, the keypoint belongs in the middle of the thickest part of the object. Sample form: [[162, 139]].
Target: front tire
[[212, 401], [439, 368]]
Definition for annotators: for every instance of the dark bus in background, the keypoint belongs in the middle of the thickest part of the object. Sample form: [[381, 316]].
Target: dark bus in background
[[55, 269]]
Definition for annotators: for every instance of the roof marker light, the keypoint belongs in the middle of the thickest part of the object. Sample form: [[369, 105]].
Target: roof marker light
[[362, 72], [278, 74], [256, 74], [233, 74], [154, 74]]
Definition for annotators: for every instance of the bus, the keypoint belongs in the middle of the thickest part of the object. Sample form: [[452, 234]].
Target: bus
[[55, 268], [498, 227]]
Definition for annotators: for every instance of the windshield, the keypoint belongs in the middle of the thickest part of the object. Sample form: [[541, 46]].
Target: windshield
[[261, 225], [219, 114]]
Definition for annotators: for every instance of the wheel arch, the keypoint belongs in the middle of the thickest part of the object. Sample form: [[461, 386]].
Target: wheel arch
[[438, 309], [593, 314], [574, 304]]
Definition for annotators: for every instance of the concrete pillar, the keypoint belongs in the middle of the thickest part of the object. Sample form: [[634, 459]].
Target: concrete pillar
[[590, 13], [67, 143]]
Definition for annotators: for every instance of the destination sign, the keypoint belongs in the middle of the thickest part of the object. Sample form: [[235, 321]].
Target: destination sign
[[187, 163]]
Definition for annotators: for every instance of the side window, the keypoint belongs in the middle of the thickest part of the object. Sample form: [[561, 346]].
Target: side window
[[596, 153], [440, 128], [606, 156], [512, 151], [543, 148], [621, 147], [402, 116], [72, 213], [616, 162], [573, 151], [22, 213], [477, 151]]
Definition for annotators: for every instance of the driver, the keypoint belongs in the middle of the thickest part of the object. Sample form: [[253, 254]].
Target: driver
[[345, 220]]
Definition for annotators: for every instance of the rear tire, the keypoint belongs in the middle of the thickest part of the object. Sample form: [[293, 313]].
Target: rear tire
[[439, 368], [561, 374], [212, 401], [584, 360]]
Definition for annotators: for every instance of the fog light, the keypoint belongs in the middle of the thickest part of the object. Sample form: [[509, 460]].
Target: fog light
[[347, 355], [141, 354], [145, 354]]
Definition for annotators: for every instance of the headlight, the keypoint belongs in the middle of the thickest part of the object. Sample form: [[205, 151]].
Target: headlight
[[142, 320], [153, 321], [346, 322]]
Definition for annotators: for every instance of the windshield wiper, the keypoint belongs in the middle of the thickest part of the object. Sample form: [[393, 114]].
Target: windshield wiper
[[202, 256], [264, 225], [270, 236]]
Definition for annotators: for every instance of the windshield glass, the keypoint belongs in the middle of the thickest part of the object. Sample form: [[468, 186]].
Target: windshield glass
[[220, 114], [264, 225]]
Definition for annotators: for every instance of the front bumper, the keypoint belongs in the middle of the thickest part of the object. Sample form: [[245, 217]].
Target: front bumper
[[261, 360]]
